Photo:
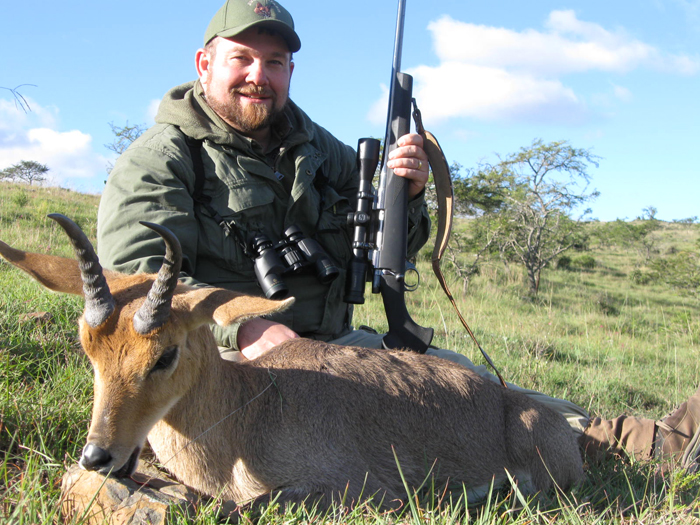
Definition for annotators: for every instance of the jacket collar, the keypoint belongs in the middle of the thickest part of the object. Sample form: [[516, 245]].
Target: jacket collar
[[185, 107]]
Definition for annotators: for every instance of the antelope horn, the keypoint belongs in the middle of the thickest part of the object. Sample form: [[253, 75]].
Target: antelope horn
[[99, 303], [155, 310]]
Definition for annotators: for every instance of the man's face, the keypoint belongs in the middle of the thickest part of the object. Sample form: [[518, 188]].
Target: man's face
[[246, 79]]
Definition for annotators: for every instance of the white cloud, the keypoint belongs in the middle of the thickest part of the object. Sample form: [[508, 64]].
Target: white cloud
[[484, 92], [377, 113], [152, 111], [492, 73], [12, 117], [458, 89], [32, 136], [569, 45]]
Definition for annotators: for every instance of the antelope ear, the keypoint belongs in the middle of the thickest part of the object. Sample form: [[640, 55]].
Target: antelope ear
[[56, 273], [226, 307]]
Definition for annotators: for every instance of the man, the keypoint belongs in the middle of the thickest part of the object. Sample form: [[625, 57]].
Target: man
[[232, 162]]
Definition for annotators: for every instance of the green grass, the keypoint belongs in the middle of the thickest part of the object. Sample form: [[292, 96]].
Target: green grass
[[592, 336]]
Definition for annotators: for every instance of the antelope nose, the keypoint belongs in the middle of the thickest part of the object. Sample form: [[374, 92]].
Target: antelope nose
[[94, 457]]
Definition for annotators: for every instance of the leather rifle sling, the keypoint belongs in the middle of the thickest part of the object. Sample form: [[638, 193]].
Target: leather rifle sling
[[445, 199]]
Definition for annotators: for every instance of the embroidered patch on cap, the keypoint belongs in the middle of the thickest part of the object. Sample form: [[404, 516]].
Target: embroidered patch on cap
[[264, 11]]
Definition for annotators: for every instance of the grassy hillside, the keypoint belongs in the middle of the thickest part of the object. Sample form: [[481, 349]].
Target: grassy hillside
[[45, 382], [594, 335]]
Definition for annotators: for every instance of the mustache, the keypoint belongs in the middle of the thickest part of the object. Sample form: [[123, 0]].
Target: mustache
[[253, 90]]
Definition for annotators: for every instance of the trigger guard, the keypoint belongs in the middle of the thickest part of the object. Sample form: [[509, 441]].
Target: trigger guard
[[411, 287]]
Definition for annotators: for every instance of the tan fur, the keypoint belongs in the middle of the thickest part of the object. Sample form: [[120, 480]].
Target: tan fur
[[306, 419]]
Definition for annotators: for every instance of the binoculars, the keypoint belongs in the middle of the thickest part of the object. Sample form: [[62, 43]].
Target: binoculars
[[290, 255]]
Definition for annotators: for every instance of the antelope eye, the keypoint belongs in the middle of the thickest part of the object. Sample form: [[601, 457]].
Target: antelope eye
[[166, 360]]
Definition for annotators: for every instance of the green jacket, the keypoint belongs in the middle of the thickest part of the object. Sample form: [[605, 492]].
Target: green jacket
[[153, 180]]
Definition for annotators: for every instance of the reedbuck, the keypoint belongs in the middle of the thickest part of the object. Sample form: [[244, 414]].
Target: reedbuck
[[308, 421]]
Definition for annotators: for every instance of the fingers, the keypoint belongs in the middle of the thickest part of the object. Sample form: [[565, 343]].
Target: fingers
[[409, 160], [411, 139], [257, 336]]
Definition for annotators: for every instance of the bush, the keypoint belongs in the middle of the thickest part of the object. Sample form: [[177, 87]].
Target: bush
[[688, 220], [564, 262], [20, 199], [585, 261], [641, 277], [680, 270], [607, 304]]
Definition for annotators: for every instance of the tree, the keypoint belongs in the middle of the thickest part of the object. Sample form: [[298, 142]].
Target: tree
[[532, 196], [467, 250], [545, 185], [480, 191], [680, 270], [475, 191], [635, 234], [123, 137], [28, 171], [648, 214]]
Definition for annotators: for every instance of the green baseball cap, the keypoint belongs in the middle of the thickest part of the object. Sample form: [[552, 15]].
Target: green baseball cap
[[235, 16]]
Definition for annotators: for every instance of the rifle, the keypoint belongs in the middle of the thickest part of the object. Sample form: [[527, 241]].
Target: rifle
[[381, 220]]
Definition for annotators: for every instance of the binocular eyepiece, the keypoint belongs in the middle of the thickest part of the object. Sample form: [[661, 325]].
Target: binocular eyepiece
[[291, 255]]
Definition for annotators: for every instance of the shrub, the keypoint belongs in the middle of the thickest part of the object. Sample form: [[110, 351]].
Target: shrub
[[641, 277], [606, 304], [585, 261], [564, 262], [688, 220], [20, 199], [680, 270]]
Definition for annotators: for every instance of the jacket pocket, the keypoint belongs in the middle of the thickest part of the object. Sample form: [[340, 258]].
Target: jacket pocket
[[333, 232], [246, 209]]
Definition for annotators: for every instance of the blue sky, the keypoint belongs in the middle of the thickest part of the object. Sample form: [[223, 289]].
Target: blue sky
[[620, 78]]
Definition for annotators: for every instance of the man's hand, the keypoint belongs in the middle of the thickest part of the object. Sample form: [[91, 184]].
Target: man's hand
[[409, 160], [257, 336]]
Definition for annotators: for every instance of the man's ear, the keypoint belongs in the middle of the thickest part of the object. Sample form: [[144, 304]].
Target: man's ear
[[202, 61]]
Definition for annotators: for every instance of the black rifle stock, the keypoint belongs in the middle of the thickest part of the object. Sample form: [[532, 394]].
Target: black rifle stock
[[384, 232]]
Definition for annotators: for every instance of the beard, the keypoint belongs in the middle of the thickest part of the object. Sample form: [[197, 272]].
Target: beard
[[248, 118]]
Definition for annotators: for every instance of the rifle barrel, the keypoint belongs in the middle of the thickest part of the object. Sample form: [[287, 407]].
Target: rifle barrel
[[395, 69], [398, 40]]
